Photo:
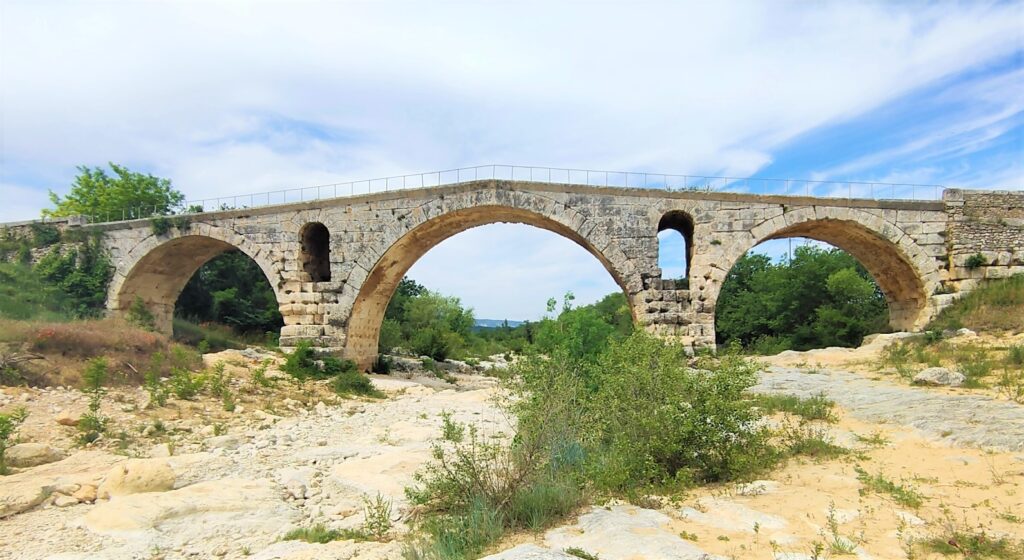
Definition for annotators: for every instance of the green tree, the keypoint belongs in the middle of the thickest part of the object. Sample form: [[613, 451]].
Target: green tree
[[231, 289], [122, 194], [821, 297]]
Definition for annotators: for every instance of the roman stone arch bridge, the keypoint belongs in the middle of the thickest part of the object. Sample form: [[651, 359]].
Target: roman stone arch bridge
[[334, 264]]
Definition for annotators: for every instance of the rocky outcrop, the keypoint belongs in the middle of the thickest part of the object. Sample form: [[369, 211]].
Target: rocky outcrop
[[24, 455]]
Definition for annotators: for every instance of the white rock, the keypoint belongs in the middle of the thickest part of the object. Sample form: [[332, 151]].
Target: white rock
[[136, 476], [939, 376], [64, 501], [625, 532], [229, 442], [24, 455], [530, 552], [731, 516], [160, 450]]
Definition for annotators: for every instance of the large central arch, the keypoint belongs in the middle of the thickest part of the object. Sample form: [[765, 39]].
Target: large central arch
[[902, 271], [156, 270], [368, 309]]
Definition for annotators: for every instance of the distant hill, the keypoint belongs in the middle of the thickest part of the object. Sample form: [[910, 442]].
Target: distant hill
[[494, 323]]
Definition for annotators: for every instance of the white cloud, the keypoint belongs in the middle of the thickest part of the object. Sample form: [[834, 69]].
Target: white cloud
[[234, 97]]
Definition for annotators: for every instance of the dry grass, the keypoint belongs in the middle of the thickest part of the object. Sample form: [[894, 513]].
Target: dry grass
[[997, 306], [68, 346]]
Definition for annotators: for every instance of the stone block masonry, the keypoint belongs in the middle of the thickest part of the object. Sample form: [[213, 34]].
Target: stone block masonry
[[334, 264]]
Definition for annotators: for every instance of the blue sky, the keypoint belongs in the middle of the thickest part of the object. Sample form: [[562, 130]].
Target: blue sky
[[236, 97]]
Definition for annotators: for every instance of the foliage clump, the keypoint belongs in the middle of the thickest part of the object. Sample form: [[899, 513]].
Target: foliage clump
[[345, 378], [995, 305], [821, 297], [9, 423], [122, 194], [629, 417]]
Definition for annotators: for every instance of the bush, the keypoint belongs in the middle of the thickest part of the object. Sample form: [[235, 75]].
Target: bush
[[93, 423], [976, 260], [305, 363], [140, 315], [632, 418], [9, 423], [44, 235]]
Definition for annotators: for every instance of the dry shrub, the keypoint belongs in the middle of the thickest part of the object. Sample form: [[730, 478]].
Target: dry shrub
[[68, 346]]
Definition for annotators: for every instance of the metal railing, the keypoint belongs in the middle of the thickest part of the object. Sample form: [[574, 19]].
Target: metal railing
[[551, 175]]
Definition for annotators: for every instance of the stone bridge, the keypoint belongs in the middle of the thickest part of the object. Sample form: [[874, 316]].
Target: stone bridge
[[334, 264]]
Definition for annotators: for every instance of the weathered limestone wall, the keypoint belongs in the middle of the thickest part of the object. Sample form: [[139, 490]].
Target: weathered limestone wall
[[914, 250], [989, 223]]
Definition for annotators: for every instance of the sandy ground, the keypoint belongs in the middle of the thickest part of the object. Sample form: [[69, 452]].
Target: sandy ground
[[303, 456]]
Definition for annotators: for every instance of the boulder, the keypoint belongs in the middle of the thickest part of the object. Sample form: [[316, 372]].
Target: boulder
[[136, 476], [939, 376], [62, 501], [25, 455], [85, 494], [67, 418]]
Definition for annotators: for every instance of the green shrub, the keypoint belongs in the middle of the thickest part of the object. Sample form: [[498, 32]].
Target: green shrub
[[44, 235], [1015, 355], [903, 494], [93, 423], [302, 363], [9, 423], [152, 382], [346, 379], [350, 381], [381, 365], [815, 407], [631, 418], [976, 260], [140, 315], [161, 225], [185, 384]]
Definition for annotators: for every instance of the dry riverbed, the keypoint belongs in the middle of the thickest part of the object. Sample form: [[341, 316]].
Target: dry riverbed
[[210, 483]]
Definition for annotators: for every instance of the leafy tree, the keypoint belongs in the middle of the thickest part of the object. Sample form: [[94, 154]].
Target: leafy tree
[[122, 194], [231, 289], [82, 275], [822, 297]]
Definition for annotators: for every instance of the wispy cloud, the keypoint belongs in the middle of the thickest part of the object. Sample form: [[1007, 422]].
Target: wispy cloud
[[234, 97]]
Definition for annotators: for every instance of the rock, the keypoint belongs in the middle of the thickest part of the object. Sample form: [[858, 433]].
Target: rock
[[939, 376], [731, 516], [66, 418], [85, 494], [625, 532], [200, 512], [966, 333], [23, 491], [24, 455], [160, 450], [136, 476], [228, 442], [530, 552], [64, 501]]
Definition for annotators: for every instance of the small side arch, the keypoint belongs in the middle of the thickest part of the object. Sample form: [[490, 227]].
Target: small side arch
[[157, 269], [682, 223], [315, 252]]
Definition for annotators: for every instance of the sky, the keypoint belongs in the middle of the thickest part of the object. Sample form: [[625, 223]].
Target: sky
[[235, 97]]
